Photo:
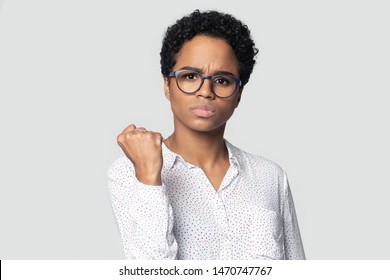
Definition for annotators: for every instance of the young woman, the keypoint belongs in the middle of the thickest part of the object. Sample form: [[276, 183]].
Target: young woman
[[194, 195]]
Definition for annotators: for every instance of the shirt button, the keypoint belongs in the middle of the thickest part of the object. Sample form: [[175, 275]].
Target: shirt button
[[218, 206]]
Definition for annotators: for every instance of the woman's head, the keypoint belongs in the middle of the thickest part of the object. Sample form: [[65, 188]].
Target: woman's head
[[213, 24]]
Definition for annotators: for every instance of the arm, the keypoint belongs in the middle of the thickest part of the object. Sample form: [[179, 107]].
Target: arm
[[292, 238], [139, 198], [143, 213]]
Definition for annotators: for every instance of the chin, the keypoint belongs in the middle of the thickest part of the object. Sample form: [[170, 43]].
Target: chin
[[207, 127], [202, 124]]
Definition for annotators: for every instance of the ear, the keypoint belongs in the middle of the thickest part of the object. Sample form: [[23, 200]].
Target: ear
[[239, 97], [166, 88]]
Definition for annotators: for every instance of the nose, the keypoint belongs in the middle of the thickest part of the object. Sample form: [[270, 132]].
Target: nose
[[205, 90]]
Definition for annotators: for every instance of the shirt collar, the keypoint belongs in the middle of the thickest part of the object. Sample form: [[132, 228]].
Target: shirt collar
[[170, 158], [233, 154]]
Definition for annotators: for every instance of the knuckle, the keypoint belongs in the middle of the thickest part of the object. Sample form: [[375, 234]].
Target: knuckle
[[148, 136], [157, 136], [131, 127], [128, 136]]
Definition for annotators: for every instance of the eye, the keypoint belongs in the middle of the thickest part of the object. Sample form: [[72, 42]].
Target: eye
[[190, 75], [223, 81]]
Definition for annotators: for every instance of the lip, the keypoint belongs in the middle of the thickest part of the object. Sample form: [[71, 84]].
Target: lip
[[203, 110]]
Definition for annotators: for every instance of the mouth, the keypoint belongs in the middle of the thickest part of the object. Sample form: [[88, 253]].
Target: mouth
[[203, 111]]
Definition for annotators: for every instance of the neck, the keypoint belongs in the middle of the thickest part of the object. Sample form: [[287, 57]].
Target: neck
[[199, 148]]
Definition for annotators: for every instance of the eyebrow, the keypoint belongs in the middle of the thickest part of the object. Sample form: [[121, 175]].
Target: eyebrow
[[220, 72]]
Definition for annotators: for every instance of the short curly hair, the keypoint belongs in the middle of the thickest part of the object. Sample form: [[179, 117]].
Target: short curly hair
[[214, 24]]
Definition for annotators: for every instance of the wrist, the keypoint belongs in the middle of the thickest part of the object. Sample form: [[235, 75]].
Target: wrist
[[149, 178]]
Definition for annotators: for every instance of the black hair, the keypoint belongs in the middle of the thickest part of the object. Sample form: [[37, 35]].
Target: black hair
[[214, 24]]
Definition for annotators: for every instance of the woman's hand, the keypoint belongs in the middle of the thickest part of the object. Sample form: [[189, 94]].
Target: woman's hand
[[144, 149]]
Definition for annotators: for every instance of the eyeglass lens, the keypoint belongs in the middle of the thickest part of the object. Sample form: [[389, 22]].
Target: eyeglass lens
[[222, 85]]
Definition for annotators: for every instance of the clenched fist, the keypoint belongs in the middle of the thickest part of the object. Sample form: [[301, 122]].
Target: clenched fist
[[144, 149]]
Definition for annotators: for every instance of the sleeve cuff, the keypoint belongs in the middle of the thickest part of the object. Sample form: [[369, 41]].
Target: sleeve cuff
[[148, 193]]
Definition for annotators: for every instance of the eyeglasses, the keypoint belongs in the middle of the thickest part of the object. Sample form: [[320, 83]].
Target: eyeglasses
[[190, 81]]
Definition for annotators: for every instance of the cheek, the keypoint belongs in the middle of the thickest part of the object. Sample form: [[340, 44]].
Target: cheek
[[225, 112], [178, 102], [229, 107]]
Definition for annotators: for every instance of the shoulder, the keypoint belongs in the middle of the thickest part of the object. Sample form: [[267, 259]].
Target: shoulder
[[255, 163]]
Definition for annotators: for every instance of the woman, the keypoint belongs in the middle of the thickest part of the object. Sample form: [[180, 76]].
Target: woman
[[194, 195]]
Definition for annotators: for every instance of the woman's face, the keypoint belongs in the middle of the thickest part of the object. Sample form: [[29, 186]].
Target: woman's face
[[203, 111]]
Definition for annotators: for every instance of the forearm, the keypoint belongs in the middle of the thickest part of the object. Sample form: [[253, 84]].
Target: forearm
[[145, 219], [150, 234]]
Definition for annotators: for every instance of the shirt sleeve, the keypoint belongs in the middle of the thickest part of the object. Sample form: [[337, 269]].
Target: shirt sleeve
[[143, 213], [292, 238]]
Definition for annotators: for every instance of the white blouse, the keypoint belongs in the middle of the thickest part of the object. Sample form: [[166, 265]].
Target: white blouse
[[251, 216]]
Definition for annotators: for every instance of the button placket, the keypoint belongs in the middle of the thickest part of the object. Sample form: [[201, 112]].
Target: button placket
[[223, 225]]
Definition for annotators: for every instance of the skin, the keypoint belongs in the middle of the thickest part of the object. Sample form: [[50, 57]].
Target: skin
[[198, 139]]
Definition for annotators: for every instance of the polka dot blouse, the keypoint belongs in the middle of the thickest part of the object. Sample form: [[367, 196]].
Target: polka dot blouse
[[251, 216]]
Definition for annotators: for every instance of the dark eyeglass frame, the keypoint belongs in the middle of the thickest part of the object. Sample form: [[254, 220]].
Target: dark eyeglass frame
[[203, 77]]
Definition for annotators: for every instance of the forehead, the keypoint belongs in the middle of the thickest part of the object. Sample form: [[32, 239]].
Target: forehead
[[208, 54]]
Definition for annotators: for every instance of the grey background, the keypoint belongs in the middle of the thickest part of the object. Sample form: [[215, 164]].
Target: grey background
[[74, 73]]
